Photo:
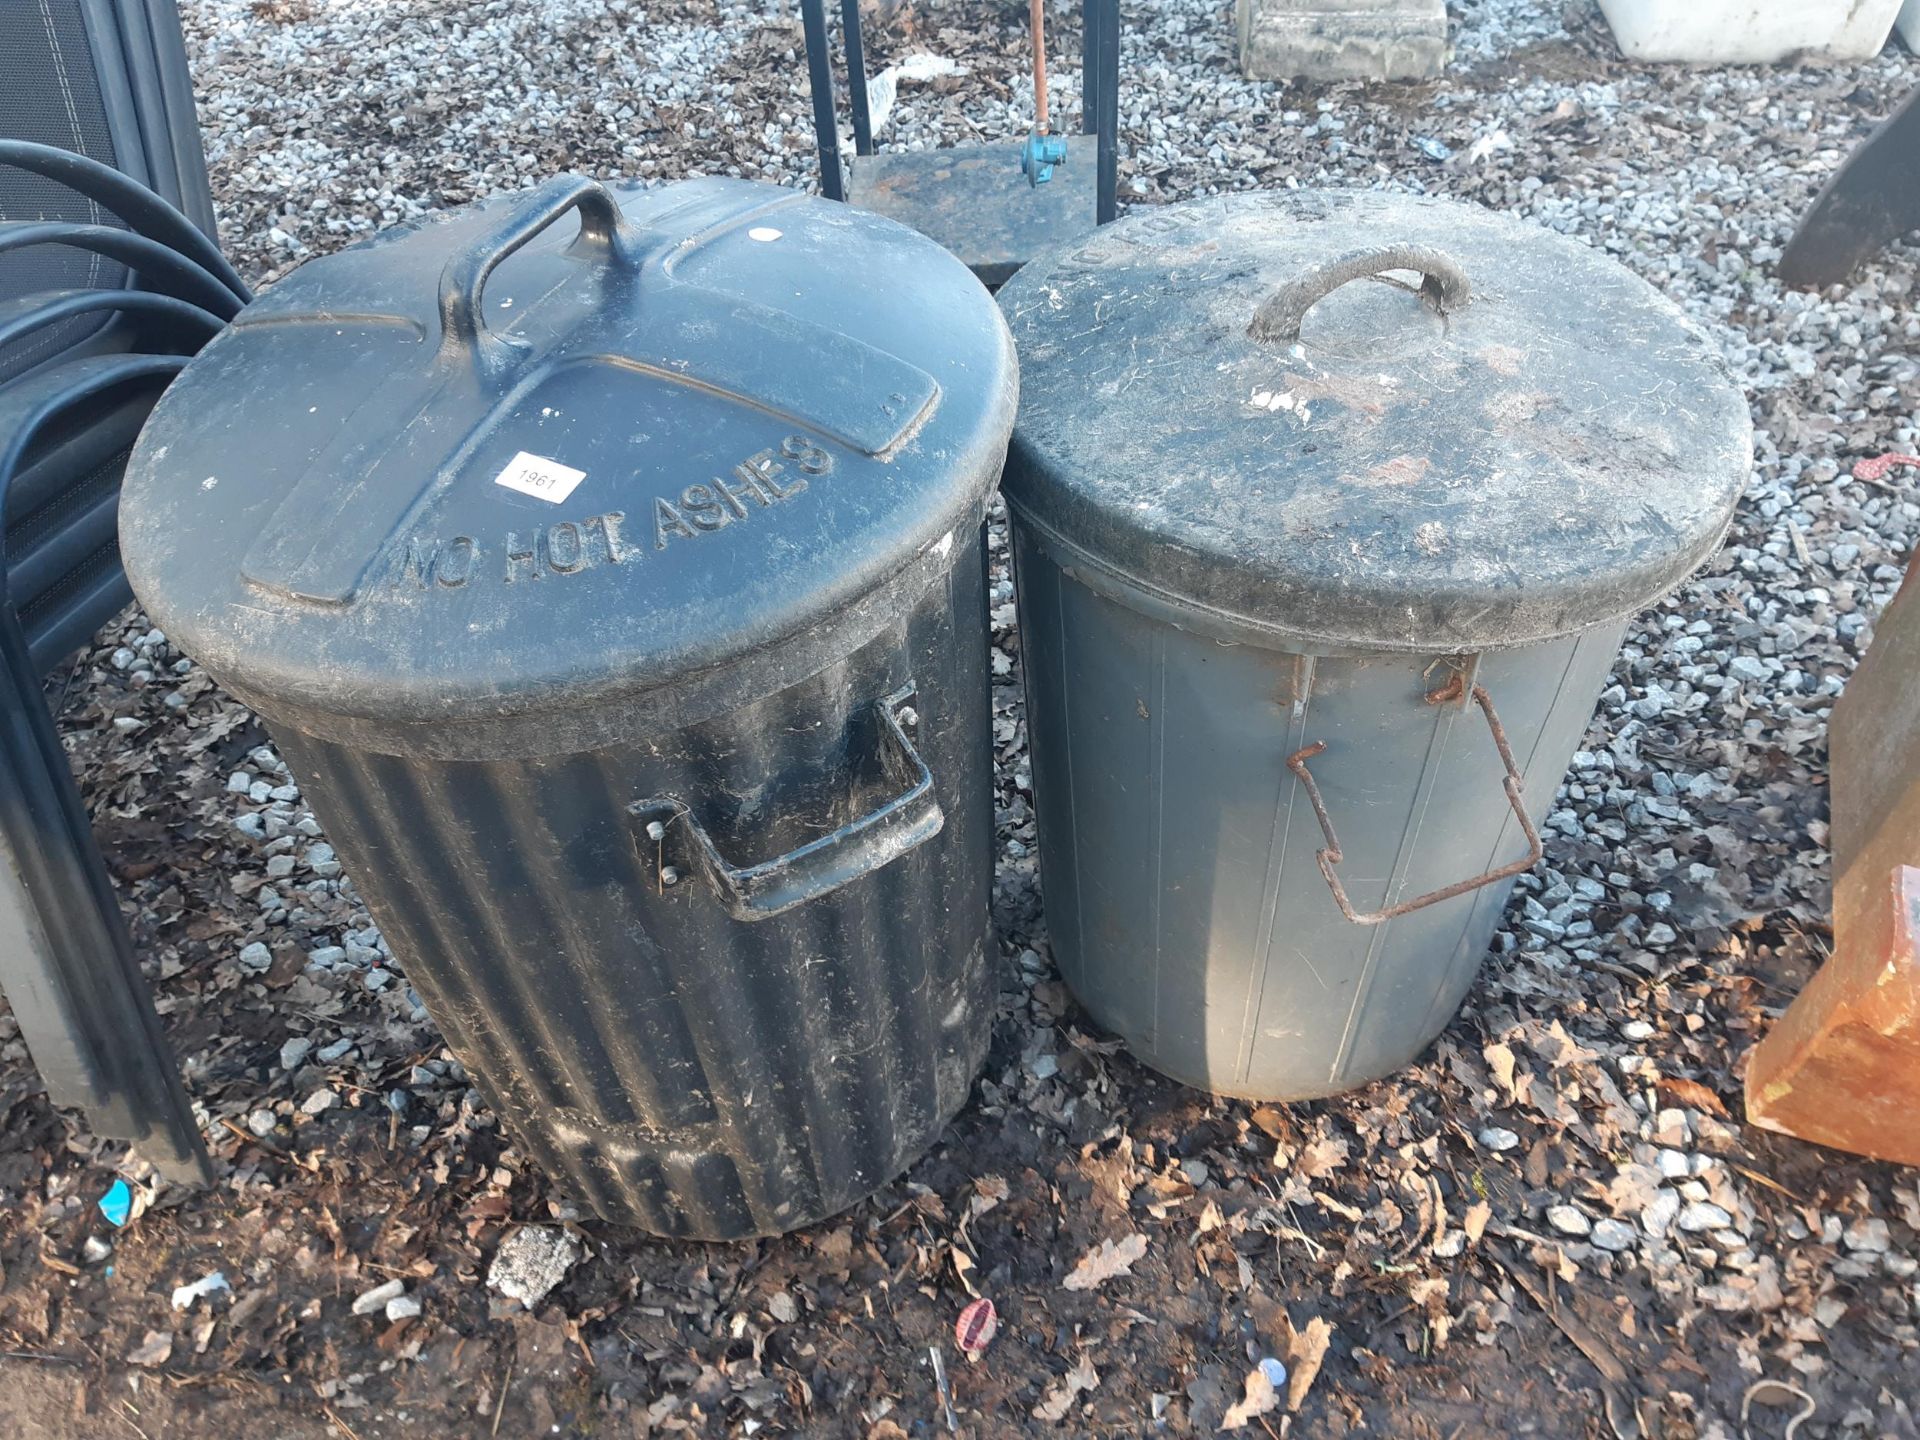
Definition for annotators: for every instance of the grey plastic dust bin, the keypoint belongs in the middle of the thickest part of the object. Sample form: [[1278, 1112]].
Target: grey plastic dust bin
[[608, 565], [1328, 513]]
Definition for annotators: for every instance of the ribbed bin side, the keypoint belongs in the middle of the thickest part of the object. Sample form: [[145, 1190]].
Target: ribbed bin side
[[1178, 851], [679, 1069]]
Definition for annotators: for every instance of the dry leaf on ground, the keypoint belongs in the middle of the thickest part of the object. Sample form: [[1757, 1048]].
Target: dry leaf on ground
[[1693, 1095], [1305, 1355], [1107, 1261], [156, 1349], [1474, 1222], [1260, 1399], [1059, 1399]]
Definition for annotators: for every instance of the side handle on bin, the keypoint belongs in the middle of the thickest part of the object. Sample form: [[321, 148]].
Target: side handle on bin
[[463, 324], [1331, 856], [856, 849]]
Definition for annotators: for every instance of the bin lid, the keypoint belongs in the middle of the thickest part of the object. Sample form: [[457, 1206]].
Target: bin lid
[[1369, 421], [562, 445]]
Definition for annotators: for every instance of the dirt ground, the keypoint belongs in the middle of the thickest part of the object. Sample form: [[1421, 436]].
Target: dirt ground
[[1405, 1252]]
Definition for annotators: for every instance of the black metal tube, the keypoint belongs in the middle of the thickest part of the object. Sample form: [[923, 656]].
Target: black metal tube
[[36, 312], [167, 269], [1089, 66], [1106, 204], [826, 128], [857, 77], [144, 211]]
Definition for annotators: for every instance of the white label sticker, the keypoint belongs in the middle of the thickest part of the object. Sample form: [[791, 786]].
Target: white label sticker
[[540, 477]]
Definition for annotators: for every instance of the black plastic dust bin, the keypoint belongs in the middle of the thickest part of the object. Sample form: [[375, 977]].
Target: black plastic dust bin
[[608, 565], [1328, 513]]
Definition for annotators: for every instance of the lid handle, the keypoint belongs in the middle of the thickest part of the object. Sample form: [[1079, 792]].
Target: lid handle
[[1443, 284], [463, 325]]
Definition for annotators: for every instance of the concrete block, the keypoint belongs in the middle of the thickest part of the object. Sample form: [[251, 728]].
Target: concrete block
[[1342, 39], [1908, 24], [1749, 32]]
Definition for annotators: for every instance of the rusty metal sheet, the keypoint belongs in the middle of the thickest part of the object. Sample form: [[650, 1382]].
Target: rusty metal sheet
[[1842, 1067]]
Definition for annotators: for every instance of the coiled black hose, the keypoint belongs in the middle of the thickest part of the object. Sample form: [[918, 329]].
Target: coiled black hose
[[173, 272], [182, 327], [143, 211]]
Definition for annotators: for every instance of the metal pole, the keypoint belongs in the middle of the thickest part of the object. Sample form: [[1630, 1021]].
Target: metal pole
[[1106, 206], [826, 129], [1089, 66], [857, 77]]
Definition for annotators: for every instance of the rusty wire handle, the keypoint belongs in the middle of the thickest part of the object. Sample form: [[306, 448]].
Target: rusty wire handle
[[1332, 856], [1443, 284]]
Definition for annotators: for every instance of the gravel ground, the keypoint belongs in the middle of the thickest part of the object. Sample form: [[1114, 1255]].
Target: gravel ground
[[1555, 1223]]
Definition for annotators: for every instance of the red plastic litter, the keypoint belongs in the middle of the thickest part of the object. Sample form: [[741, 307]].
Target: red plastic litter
[[975, 1328], [1878, 467]]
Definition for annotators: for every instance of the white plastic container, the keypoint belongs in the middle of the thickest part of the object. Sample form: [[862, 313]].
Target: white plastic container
[[1754, 32]]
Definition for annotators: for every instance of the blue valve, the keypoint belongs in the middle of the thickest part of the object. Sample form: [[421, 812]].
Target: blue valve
[[1040, 154]]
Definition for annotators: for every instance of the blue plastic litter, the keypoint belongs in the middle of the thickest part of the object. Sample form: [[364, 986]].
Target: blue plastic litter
[[1437, 150], [117, 1203], [1275, 1372]]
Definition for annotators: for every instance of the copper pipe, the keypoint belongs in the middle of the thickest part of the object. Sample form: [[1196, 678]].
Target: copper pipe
[[1037, 12]]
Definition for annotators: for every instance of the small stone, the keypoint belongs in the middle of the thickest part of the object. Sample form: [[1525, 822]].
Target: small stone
[[1673, 1165], [1637, 1030], [1450, 1244], [1045, 1067], [239, 782], [327, 956], [263, 1123], [378, 978], [319, 1102], [1658, 1217], [1702, 1216], [1496, 1138], [1568, 1220], [294, 1052], [257, 957], [531, 1261], [1614, 1235], [336, 1051], [1195, 1171], [1745, 667], [370, 1301], [783, 1307], [1867, 1235], [279, 867], [1670, 1129], [94, 1250], [402, 1307]]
